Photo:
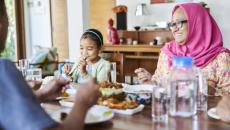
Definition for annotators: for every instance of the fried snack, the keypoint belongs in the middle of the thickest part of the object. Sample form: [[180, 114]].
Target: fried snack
[[123, 105], [115, 104], [110, 85], [64, 94]]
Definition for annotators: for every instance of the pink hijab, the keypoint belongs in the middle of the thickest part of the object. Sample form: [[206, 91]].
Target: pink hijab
[[204, 41]]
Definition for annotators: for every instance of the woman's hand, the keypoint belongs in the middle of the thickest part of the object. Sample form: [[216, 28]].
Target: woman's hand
[[223, 108], [82, 66], [52, 89], [143, 75], [66, 68]]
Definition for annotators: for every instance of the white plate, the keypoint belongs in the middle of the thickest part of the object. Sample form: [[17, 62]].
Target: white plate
[[212, 113], [118, 111], [95, 115], [98, 114], [129, 111], [137, 89], [66, 103]]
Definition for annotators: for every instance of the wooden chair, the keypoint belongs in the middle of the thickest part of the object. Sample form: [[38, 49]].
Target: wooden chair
[[119, 58]]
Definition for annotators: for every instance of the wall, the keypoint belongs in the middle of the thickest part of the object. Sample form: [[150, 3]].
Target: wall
[[78, 21], [220, 11], [156, 12], [162, 12], [100, 13], [60, 28]]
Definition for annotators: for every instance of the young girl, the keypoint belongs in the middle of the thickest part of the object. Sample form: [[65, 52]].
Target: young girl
[[90, 64]]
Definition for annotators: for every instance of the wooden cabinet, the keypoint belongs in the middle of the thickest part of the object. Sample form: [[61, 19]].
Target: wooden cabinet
[[141, 55], [135, 56], [145, 37]]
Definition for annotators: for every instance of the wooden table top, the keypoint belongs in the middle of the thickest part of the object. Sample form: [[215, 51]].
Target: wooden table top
[[143, 121]]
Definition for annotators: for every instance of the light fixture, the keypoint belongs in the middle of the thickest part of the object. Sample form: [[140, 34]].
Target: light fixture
[[141, 10]]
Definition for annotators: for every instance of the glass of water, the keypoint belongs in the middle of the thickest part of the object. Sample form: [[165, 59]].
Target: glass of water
[[23, 66], [113, 72], [159, 104], [202, 91], [34, 74]]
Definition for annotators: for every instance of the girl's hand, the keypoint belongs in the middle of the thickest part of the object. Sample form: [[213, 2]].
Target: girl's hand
[[82, 66], [143, 75], [66, 68]]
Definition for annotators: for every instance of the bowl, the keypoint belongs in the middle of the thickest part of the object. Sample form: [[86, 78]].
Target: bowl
[[142, 93], [137, 28]]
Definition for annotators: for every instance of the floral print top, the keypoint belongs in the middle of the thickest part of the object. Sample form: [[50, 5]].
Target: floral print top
[[217, 73]]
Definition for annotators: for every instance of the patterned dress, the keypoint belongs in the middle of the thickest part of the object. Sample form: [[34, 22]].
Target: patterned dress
[[217, 73]]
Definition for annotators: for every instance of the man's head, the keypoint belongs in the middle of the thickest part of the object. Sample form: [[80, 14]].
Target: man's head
[[3, 25]]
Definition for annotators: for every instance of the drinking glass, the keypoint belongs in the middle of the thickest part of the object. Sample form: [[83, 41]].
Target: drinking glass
[[202, 91], [34, 74], [113, 72], [159, 104], [23, 66]]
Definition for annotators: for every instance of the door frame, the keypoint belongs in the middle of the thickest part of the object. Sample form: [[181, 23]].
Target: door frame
[[20, 29]]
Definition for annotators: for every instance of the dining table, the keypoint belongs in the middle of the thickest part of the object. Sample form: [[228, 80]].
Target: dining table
[[143, 120]]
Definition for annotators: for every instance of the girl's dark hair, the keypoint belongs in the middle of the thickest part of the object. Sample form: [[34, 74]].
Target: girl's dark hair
[[94, 35], [2, 8]]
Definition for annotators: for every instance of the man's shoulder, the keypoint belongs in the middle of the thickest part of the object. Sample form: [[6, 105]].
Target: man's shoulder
[[4, 61]]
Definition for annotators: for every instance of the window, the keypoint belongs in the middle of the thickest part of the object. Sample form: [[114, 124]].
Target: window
[[10, 50]]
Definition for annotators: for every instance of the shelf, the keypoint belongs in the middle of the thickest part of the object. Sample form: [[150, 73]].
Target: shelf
[[132, 48], [141, 57]]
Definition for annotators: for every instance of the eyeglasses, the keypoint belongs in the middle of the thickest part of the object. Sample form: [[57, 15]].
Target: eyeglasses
[[178, 24]]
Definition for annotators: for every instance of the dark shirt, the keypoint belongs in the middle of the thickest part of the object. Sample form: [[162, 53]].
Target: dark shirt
[[19, 108]]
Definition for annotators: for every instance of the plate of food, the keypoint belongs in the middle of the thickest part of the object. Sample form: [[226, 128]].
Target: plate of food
[[113, 97], [213, 114], [68, 93], [139, 88], [96, 114]]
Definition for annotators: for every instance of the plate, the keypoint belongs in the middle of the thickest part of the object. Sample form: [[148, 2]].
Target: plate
[[69, 104], [212, 113], [129, 111], [96, 114], [66, 103], [137, 89]]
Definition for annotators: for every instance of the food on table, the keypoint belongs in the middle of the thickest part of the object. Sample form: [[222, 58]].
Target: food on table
[[64, 94], [112, 95], [63, 116]]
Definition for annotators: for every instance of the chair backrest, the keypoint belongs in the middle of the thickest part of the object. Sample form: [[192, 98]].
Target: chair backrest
[[120, 61]]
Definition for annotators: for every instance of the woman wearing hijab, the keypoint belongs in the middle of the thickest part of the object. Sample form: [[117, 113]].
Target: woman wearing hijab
[[196, 34]]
